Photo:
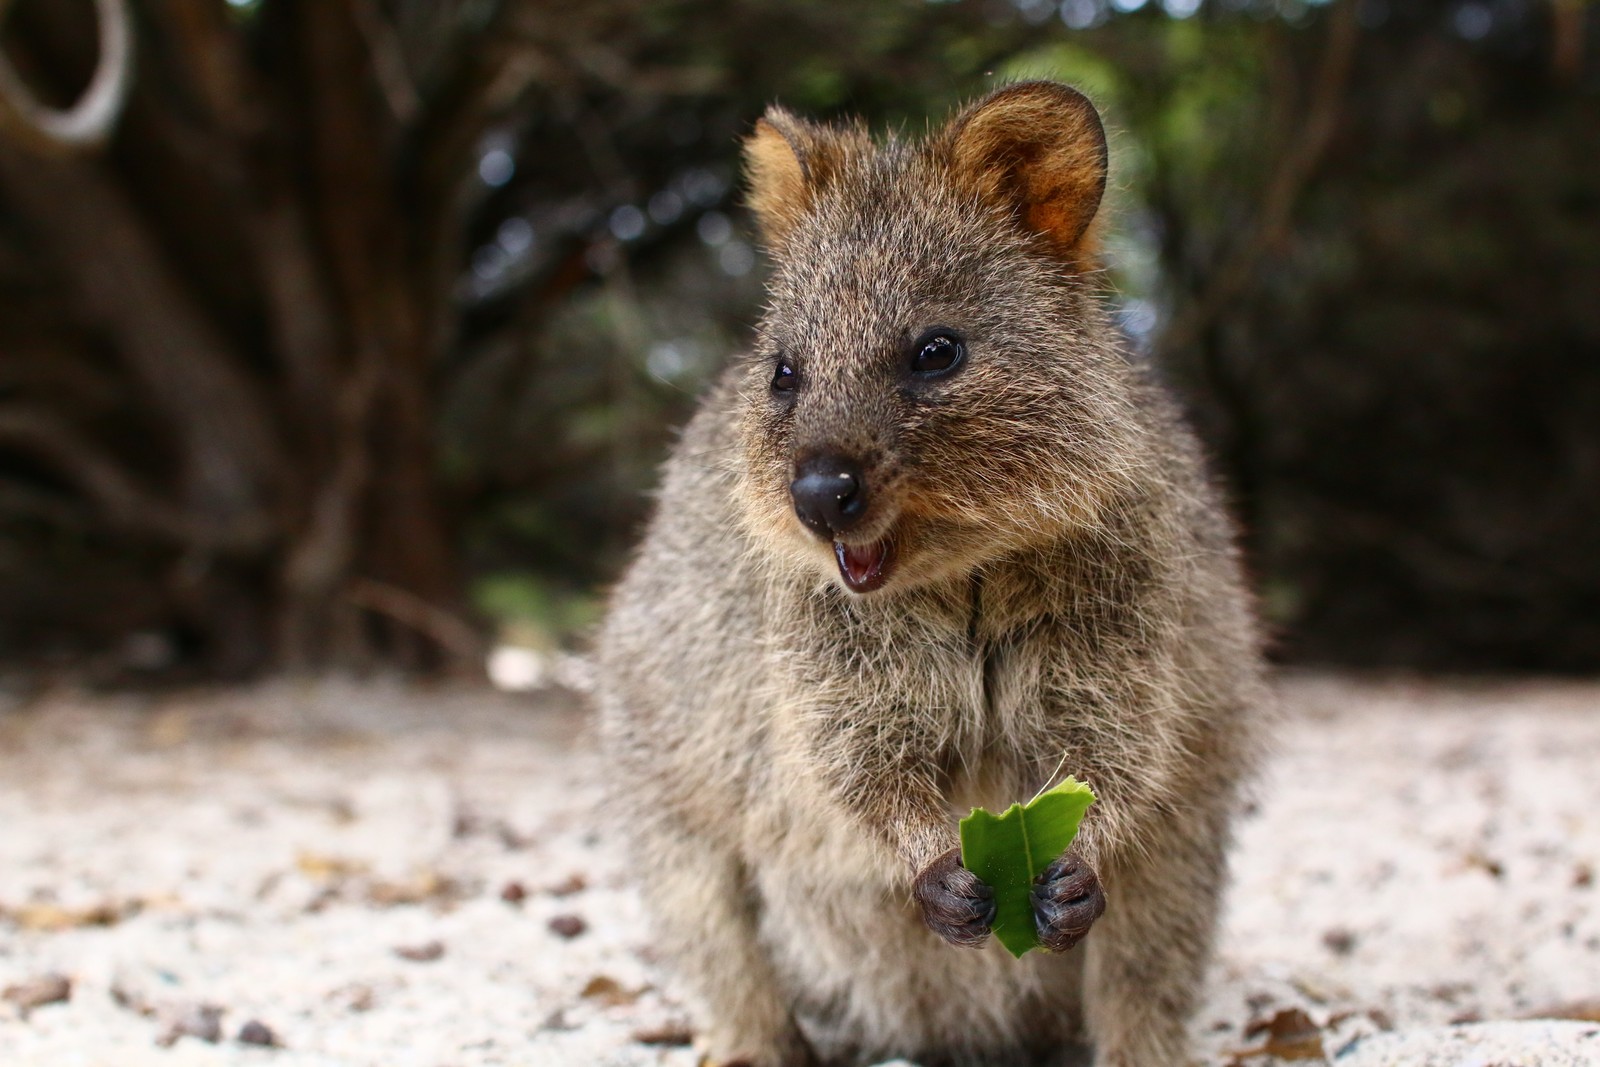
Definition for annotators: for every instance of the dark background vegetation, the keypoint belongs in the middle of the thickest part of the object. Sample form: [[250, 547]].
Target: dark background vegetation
[[352, 335]]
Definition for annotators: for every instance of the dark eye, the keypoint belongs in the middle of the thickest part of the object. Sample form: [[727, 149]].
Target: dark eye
[[937, 353], [784, 378]]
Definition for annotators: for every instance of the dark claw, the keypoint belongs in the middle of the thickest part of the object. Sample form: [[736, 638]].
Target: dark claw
[[955, 904], [1067, 900]]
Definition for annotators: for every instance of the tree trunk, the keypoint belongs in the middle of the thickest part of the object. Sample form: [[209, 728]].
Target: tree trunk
[[243, 253]]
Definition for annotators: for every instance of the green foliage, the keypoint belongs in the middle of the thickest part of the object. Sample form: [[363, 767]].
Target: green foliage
[[1387, 335], [531, 610], [1078, 66], [1010, 850]]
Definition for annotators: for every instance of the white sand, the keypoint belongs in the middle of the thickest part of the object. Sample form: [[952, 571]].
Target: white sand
[[1423, 853]]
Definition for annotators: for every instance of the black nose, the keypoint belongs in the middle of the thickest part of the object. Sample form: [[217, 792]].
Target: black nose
[[830, 494]]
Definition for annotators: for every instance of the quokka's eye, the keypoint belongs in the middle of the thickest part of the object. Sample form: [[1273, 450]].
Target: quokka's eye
[[784, 379], [937, 353]]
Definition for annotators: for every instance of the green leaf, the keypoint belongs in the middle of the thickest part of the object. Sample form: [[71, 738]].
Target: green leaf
[[1009, 851]]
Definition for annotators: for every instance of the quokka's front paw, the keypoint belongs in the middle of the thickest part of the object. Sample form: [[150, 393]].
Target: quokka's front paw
[[1067, 899], [955, 904]]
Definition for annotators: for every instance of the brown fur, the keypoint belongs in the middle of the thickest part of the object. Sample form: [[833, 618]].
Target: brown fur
[[1065, 597]]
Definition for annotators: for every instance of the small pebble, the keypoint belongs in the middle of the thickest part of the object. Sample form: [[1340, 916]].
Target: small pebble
[[426, 952], [256, 1032], [513, 893], [567, 926], [1339, 941], [557, 1021], [203, 1021]]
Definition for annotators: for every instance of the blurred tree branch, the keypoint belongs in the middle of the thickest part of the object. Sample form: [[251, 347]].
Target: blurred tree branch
[[88, 122], [1242, 265], [356, 301], [301, 454]]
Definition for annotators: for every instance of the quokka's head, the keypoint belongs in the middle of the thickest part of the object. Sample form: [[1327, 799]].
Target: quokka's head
[[933, 385]]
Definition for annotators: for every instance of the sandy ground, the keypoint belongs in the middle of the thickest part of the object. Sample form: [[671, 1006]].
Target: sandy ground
[[366, 874]]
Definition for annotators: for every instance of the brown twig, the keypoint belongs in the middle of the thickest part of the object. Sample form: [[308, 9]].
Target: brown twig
[[449, 631], [388, 60], [1567, 38], [128, 288], [1240, 267], [105, 482]]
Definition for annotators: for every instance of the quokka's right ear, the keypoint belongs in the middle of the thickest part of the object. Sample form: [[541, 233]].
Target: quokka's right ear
[[787, 160]]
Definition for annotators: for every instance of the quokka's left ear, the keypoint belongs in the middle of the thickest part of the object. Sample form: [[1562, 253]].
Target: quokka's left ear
[[1039, 149]]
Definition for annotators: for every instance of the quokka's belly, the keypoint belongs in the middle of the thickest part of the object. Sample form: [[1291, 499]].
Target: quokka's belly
[[870, 981]]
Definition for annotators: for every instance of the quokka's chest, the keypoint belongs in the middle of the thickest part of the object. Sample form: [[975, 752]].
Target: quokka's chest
[[940, 688]]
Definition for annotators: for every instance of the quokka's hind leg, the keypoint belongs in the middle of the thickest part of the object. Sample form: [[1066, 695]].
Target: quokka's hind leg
[[704, 925], [1146, 959]]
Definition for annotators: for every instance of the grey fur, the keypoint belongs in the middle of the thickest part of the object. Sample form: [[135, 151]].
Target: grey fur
[[1065, 596]]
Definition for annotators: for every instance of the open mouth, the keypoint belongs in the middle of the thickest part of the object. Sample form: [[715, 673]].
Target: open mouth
[[864, 567]]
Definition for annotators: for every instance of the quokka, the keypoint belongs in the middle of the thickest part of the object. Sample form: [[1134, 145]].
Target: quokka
[[934, 539]]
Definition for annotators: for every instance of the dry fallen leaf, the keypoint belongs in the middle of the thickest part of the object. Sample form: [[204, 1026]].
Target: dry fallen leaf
[[1290, 1035], [669, 1034], [1476, 859], [327, 868], [420, 888], [1583, 1011], [608, 991], [37, 992], [53, 917], [573, 883]]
